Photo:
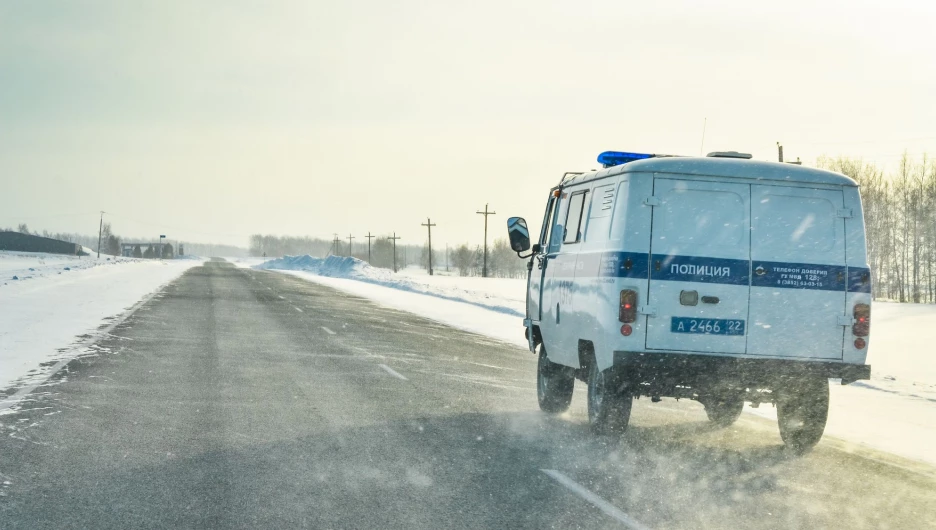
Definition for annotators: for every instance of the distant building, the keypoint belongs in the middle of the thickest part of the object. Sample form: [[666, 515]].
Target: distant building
[[20, 242], [126, 249]]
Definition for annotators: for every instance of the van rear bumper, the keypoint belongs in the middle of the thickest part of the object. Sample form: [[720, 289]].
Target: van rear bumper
[[693, 369]]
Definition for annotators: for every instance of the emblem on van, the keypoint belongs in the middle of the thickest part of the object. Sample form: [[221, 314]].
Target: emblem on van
[[760, 270]]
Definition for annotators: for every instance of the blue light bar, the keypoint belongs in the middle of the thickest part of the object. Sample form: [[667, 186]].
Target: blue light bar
[[616, 158]]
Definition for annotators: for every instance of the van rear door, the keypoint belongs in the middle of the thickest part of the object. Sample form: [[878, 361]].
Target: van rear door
[[699, 266], [799, 276]]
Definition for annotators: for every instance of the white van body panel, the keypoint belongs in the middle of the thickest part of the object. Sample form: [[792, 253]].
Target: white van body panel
[[559, 268], [778, 251], [537, 269], [700, 244], [798, 282], [859, 275]]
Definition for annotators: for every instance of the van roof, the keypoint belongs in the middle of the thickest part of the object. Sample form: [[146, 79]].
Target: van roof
[[722, 167]]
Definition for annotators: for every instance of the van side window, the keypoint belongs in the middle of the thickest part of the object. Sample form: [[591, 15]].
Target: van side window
[[560, 211], [551, 207], [573, 224]]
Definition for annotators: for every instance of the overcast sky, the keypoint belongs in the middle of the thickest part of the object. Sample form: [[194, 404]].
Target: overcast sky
[[210, 121]]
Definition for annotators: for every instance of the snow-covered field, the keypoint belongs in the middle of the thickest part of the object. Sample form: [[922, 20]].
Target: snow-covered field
[[895, 411], [24, 266], [47, 300]]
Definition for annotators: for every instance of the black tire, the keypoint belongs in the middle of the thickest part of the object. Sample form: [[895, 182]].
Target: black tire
[[802, 411], [723, 411], [554, 384], [609, 409]]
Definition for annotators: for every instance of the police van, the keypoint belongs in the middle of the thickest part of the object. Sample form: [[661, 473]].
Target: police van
[[717, 278]]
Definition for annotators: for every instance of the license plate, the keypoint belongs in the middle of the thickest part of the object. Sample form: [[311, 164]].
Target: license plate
[[707, 326]]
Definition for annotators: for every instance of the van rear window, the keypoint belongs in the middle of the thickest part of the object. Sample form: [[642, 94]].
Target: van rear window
[[795, 223], [703, 218]]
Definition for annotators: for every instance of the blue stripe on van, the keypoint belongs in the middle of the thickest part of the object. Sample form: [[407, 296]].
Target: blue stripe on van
[[623, 265], [798, 276], [859, 280], [783, 275], [698, 269], [599, 265]]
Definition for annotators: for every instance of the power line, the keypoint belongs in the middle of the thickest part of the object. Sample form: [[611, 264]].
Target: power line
[[394, 239], [351, 245], [100, 231], [369, 237], [429, 224], [485, 213]]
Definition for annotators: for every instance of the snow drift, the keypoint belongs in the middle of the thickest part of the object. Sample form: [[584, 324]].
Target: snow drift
[[355, 269]]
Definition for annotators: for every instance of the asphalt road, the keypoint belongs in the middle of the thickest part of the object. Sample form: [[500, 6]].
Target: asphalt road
[[249, 399]]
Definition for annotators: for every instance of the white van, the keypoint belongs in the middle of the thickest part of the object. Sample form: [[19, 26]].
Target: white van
[[715, 278]]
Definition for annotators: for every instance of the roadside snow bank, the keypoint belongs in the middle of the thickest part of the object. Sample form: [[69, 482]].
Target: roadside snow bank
[[355, 269], [61, 298]]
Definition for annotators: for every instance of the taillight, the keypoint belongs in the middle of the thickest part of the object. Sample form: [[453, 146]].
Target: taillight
[[862, 325], [628, 310]]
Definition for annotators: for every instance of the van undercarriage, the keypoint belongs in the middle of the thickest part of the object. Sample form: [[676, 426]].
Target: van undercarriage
[[695, 370], [798, 388]]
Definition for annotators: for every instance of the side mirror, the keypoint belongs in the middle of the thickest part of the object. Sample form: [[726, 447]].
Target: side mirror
[[519, 234]]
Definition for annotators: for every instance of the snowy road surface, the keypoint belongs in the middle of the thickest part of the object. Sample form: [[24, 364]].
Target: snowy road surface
[[241, 398], [895, 411]]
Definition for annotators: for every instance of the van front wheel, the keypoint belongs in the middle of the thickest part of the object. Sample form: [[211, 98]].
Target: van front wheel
[[554, 384], [609, 409], [802, 411]]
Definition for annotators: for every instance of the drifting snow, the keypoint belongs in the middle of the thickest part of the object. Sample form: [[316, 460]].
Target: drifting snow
[[57, 298], [895, 411]]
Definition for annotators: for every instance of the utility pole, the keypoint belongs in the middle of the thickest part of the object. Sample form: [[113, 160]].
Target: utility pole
[[369, 237], [428, 224], [99, 232], [446, 258], [335, 246], [780, 151], [485, 213], [394, 239], [350, 245]]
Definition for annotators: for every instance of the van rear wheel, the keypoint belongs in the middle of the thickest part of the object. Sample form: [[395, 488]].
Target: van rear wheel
[[609, 409], [554, 384], [723, 410], [802, 411]]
